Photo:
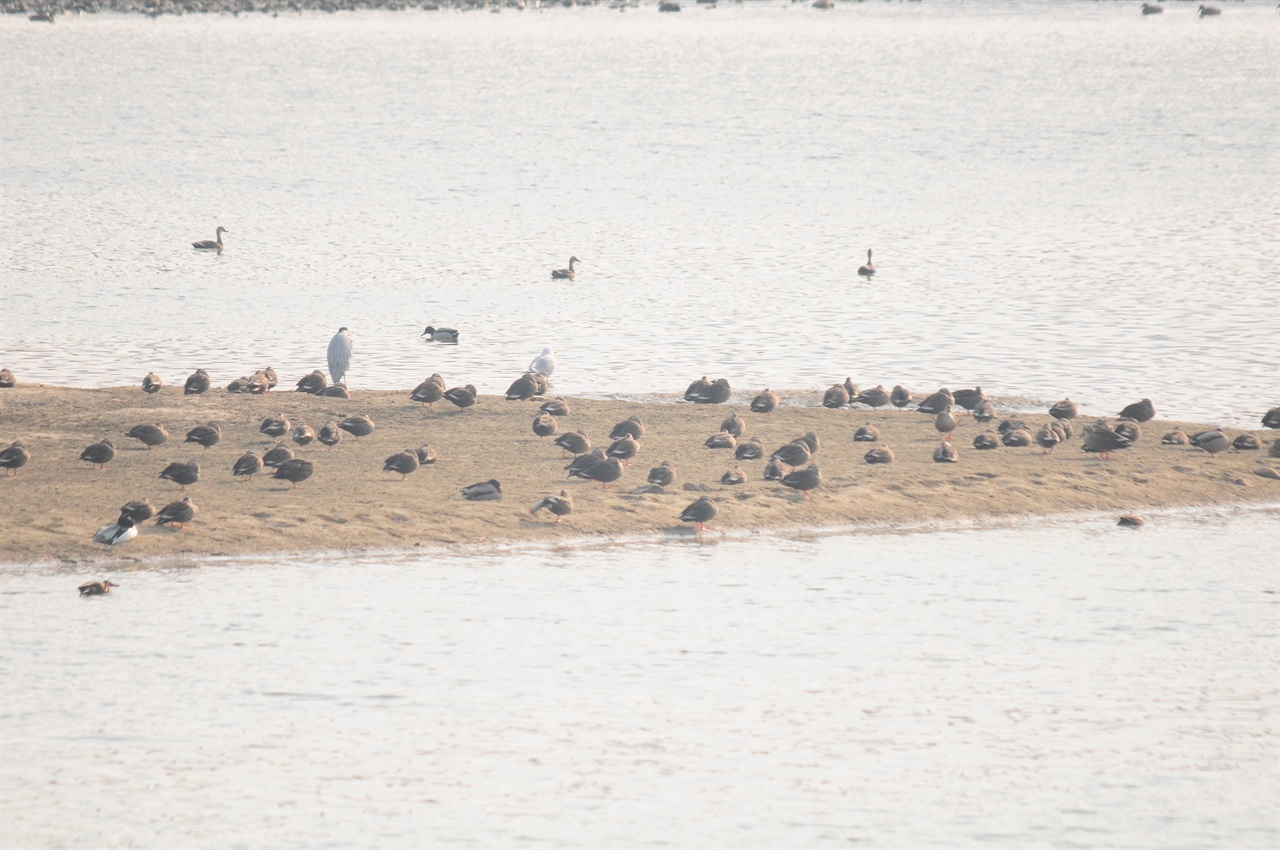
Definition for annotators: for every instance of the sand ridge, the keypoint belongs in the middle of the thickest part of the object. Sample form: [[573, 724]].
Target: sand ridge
[[54, 505]]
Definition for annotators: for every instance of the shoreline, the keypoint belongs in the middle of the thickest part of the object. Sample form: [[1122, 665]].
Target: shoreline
[[56, 502]]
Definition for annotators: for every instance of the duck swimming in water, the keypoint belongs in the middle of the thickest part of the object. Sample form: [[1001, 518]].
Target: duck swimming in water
[[868, 270], [565, 274], [211, 244]]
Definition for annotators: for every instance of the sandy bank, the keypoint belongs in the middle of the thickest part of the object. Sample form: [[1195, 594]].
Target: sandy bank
[[56, 502]]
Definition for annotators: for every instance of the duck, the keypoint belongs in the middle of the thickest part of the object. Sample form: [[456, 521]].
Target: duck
[[734, 477], [275, 426], [304, 434], [556, 407], [428, 392], [446, 335], [1246, 443], [137, 511], [214, 244], [1271, 419], [986, 441], [1176, 437], [565, 274], [1151, 9], [7, 381], [313, 384], [295, 471], [765, 402], [803, 480], [573, 443], [152, 383], [935, 403], [835, 397], [603, 472], [664, 474], [874, 397], [99, 454], [984, 411], [945, 422], [1065, 409], [273, 380], [182, 474], [205, 435], [1207, 11], [794, 454], [969, 398], [544, 425], [1016, 438], [113, 534], [1013, 423], [752, 449], [721, 440], [880, 454], [522, 389], [700, 512], [403, 463], [867, 434], [544, 363], [733, 424], [239, 385], [1129, 429], [358, 426], [258, 383], [900, 397], [99, 588], [624, 449], [810, 439], [276, 456], [246, 466], [426, 455], [1213, 441], [946, 453], [583, 461], [149, 435], [197, 384], [560, 506], [329, 435], [483, 491], [177, 513], [696, 388], [1142, 411], [773, 471], [717, 392], [1103, 441], [335, 391], [869, 269], [1047, 439], [631, 426], [462, 397]]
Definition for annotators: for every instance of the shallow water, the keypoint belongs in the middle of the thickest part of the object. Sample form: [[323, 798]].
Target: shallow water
[[1064, 198], [1069, 684]]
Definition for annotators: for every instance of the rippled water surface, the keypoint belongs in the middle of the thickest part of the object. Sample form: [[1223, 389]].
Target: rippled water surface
[[1065, 685], [1064, 198]]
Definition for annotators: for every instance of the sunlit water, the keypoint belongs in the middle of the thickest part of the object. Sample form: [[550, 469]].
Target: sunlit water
[[1063, 198], [1065, 685]]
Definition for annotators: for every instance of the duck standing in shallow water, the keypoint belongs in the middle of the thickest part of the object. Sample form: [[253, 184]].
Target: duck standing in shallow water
[[566, 274], [211, 244], [869, 269]]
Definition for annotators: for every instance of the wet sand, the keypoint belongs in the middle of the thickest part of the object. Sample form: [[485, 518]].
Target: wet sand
[[53, 506]]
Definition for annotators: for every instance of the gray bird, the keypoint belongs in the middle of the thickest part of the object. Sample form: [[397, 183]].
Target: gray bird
[[945, 422], [428, 392], [631, 426], [565, 274], [835, 397], [1176, 437], [1246, 443], [99, 454], [946, 453], [803, 480], [696, 388], [1065, 409], [246, 466], [900, 397], [721, 440], [556, 407], [152, 383], [765, 402], [277, 456], [196, 384], [624, 449], [984, 411], [604, 472], [560, 506], [544, 425], [275, 426], [664, 474], [866, 434], [937, 402], [426, 455], [986, 441], [177, 513], [875, 397], [445, 335], [402, 463], [295, 471], [700, 513], [138, 511], [214, 244], [734, 476], [573, 443], [794, 454], [462, 397], [751, 449], [314, 384], [330, 435], [733, 424], [483, 491], [357, 426], [304, 434], [717, 393], [339, 355], [1103, 441], [1047, 438], [880, 454], [98, 588], [205, 435], [969, 399], [148, 435], [1140, 410], [182, 474], [869, 269]]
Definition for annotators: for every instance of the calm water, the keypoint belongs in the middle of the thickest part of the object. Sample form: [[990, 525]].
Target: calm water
[[1063, 685], [1062, 197]]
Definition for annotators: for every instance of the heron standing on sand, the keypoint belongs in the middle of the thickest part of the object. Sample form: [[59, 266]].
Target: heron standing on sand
[[340, 355]]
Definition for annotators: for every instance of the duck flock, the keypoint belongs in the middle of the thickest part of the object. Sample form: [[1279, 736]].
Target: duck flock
[[789, 465]]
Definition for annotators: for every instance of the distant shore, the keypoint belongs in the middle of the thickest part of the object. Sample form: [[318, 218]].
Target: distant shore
[[55, 503]]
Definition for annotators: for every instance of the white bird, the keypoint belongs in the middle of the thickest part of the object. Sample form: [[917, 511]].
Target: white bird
[[544, 363], [340, 355], [121, 531]]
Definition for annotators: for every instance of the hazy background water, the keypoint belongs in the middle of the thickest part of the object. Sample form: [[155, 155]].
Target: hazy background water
[[1064, 685], [1064, 198]]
